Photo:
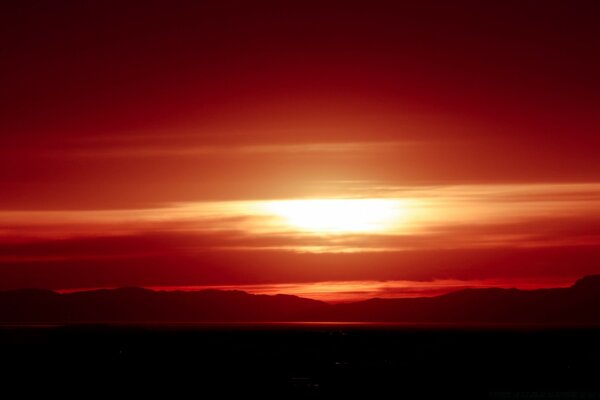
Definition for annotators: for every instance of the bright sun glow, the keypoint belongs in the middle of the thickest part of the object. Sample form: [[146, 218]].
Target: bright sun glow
[[338, 215]]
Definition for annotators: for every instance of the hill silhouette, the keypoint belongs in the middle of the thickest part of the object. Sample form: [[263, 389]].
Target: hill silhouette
[[578, 304]]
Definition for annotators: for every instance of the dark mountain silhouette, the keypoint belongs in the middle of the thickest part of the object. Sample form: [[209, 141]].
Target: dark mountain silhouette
[[578, 304]]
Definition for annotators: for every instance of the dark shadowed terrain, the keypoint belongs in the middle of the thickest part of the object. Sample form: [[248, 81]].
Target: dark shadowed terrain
[[485, 343], [578, 304], [300, 360]]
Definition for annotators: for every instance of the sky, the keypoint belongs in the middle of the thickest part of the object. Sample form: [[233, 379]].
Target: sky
[[337, 150]]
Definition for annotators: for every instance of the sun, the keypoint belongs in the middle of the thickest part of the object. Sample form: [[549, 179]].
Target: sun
[[338, 215]]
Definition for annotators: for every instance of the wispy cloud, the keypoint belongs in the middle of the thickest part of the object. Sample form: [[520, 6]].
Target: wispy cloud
[[144, 150], [498, 215]]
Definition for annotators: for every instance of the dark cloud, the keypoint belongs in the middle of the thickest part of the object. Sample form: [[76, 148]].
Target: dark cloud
[[559, 247], [272, 266]]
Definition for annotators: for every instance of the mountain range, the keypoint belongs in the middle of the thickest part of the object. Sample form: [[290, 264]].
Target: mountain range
[[577, 304]]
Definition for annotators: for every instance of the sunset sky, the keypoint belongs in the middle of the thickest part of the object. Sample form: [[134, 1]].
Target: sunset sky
[[334, 151]]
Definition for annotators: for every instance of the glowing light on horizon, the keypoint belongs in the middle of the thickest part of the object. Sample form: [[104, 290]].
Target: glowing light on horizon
[[339, 215]]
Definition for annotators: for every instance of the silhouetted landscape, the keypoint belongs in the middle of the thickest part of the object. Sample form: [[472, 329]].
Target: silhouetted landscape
[[578, 304], [474, 343]]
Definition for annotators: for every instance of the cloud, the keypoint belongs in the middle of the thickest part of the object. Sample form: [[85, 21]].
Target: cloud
[[429, 217], [260, 267], [502, 236], [170, 149]]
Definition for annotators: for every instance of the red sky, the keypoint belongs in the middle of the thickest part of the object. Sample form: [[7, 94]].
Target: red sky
[[145, 143]]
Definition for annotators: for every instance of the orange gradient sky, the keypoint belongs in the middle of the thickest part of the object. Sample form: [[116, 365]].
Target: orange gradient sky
[[309, 148]]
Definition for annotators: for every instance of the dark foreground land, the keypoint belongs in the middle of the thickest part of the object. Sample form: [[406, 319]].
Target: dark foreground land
[[303, 360]]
